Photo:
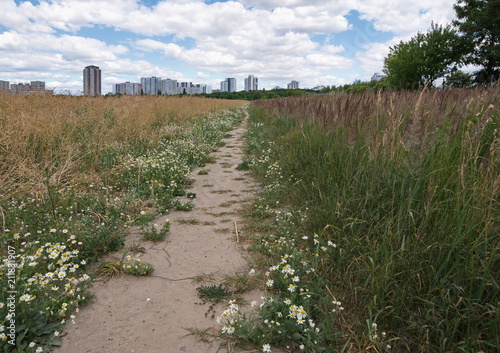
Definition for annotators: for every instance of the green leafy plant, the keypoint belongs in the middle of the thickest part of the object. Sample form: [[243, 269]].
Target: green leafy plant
[[155, 233]]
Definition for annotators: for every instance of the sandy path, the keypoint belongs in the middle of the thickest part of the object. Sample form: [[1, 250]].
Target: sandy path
[[150, 314]]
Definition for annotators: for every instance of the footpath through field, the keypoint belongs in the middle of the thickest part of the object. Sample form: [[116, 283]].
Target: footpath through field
[[151, 314]]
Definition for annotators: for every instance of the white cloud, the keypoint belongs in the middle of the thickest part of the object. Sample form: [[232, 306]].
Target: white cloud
[[274, 39]]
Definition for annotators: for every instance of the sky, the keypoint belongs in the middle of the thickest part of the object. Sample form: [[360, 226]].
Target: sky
[[314, 42]]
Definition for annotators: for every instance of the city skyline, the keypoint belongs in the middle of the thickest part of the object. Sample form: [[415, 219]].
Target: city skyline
[[313, 42]]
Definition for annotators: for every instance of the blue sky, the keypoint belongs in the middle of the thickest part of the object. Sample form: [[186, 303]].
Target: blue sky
[[315, 42]]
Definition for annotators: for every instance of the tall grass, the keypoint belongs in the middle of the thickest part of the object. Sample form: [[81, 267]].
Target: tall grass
[[407, 185], [66, 138]]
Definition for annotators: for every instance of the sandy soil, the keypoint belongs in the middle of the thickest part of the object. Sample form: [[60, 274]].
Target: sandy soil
[[151, 314]]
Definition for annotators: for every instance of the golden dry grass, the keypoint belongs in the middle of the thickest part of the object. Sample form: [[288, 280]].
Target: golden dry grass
[[58, 137]]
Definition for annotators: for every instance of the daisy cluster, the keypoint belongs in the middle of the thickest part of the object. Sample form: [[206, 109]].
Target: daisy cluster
[[49, 283], [288, 314]]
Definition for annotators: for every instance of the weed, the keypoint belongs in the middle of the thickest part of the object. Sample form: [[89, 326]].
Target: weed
[[154, 233], [213, 294]]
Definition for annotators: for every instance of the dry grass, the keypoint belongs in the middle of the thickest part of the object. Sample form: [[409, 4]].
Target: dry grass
[[63, 138]]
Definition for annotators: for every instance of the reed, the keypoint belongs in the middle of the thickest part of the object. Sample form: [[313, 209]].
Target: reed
[[406, 184]]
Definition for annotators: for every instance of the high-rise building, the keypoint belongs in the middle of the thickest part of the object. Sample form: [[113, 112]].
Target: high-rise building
[[128, 88], [228, 85], [151, 85], [293, 85], [4, 85], [251, 83], [169, 87], [92, 81]]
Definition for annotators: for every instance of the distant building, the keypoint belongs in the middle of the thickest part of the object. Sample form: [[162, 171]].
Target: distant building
[[35, 87], [228, 85], [202, 88], [151, 85], [318, 88], [377, 77], [251, 83], [4, 85], [128, 88], [169, 86], [293, 85], [92, 81]]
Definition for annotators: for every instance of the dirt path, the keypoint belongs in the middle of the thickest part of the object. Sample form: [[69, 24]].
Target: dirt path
[[150, 314]]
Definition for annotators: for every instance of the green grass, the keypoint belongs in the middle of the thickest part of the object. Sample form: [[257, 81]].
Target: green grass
[[388, 204]]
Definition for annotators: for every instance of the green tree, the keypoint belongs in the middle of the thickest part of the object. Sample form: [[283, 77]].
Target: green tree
[[479, 22], [424, 58], [458, 79]]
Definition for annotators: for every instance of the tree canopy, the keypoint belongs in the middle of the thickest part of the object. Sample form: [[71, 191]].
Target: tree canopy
[[424, 58], [479, 22]]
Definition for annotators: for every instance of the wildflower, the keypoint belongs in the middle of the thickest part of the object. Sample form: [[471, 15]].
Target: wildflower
[[56, 333], [1, 305], [3, 336], [300, 321], [26, 298], [269, 283], [302, 346], [291, 288], [330, 243], [39, 350], [65, 231], [288, 301], [61, 274], [32, 344], [53, 230], [252, 271], [254, 303], [266, 348], [296, 279]]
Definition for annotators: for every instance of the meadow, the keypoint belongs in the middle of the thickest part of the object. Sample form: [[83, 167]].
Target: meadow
[[75, 173], [378, 226]]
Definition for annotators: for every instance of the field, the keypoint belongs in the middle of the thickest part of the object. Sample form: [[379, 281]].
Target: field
[[379, 222], [377, 228], [75, 173]]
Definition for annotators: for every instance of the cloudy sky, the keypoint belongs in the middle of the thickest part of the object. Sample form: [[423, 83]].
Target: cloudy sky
[[315, 42]]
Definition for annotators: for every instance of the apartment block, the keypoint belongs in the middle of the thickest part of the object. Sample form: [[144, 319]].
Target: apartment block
[[4, 85], [293, 85], [228, 85], [92, 81], [151, 85], [169, 87], [251, 83], [128, 88]]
